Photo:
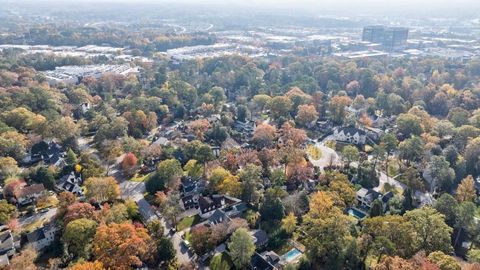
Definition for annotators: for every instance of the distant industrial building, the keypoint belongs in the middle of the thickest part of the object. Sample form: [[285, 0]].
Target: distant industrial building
[[392, 38]]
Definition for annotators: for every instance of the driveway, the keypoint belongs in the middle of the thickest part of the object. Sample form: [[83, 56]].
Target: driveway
[[383, 179], [329, 157], [183, 255], [45, 217]]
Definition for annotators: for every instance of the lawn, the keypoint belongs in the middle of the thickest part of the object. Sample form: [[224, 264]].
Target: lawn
[[139, 178], [188, 222], [314, 152]]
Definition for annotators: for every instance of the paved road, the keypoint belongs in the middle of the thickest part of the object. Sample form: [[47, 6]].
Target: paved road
[[383, 179], [183, 255]]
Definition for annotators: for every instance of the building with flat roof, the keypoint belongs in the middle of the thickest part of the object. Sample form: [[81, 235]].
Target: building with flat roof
[[391, 38]]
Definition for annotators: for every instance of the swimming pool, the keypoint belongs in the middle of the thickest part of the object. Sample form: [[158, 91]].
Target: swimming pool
[[292, 255], [356, 213]]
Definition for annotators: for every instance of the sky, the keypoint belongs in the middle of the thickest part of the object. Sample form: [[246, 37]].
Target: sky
[[440, 7]]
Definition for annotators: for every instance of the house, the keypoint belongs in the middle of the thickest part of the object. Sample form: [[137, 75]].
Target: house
[[188, 185], [147, 213], [218, 216], [85, 107], [272, 258], [237, 210], [365, 198], [72, 183], [50, 153], [350, 135], [258, 262], [25, 195], [190, 201], [208, 205], [7, 243], [42, 237], [260, 238]]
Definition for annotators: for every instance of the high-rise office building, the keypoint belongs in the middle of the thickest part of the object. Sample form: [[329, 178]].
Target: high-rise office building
[[373, 34], [395, 37], [390, 37]]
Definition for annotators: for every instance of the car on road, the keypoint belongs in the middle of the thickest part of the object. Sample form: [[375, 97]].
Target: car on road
[[186, 244], [44, 210]]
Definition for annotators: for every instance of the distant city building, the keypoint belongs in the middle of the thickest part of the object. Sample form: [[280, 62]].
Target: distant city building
[[373, 33], [390, 37], [395, 37]]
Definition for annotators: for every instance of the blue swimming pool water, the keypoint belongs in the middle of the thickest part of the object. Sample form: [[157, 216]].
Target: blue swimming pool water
[[292, 255], [356, 213]]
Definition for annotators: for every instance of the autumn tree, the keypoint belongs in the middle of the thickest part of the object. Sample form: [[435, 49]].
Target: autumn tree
[[121, 246], [337, 107], [129, 164], [25, 260], [432, 231], [8, 168], [280, 106], [78, 211], [466, 190], [7, 212], [96, 265], [264, 135], [306, 115], [289, 223], [102, 189]]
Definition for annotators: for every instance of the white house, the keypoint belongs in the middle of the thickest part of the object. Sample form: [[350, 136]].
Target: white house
[[42, 237], [350, 135]]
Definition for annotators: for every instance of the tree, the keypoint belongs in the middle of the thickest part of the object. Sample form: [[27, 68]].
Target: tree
[[8, 168], [7, 212], [78, 237], [250, 176], [337, 107], [444, 261], [411, 149], [200, 239], [221, 261], [241, 248], [217, 176], [121, 246], [472, 157], [102, 189], [167, 174], [271, 209], [232, 186], [264, 135], [433, 233], [465, 218], [376, 209], [96, 265], [129, 164], [280, 106], [397, 263], [466, 190], [350, 154], [441, 173], [71, 158], [23, 119], [447, 205], [13, 144], [78, 211], [171, 209], [165, 250], [242, 112], [306, 115], [289, 223], [409, 125], [25, 260], [44, 176]]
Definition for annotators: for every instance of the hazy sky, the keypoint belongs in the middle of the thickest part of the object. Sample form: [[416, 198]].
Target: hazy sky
[[439, 7]]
